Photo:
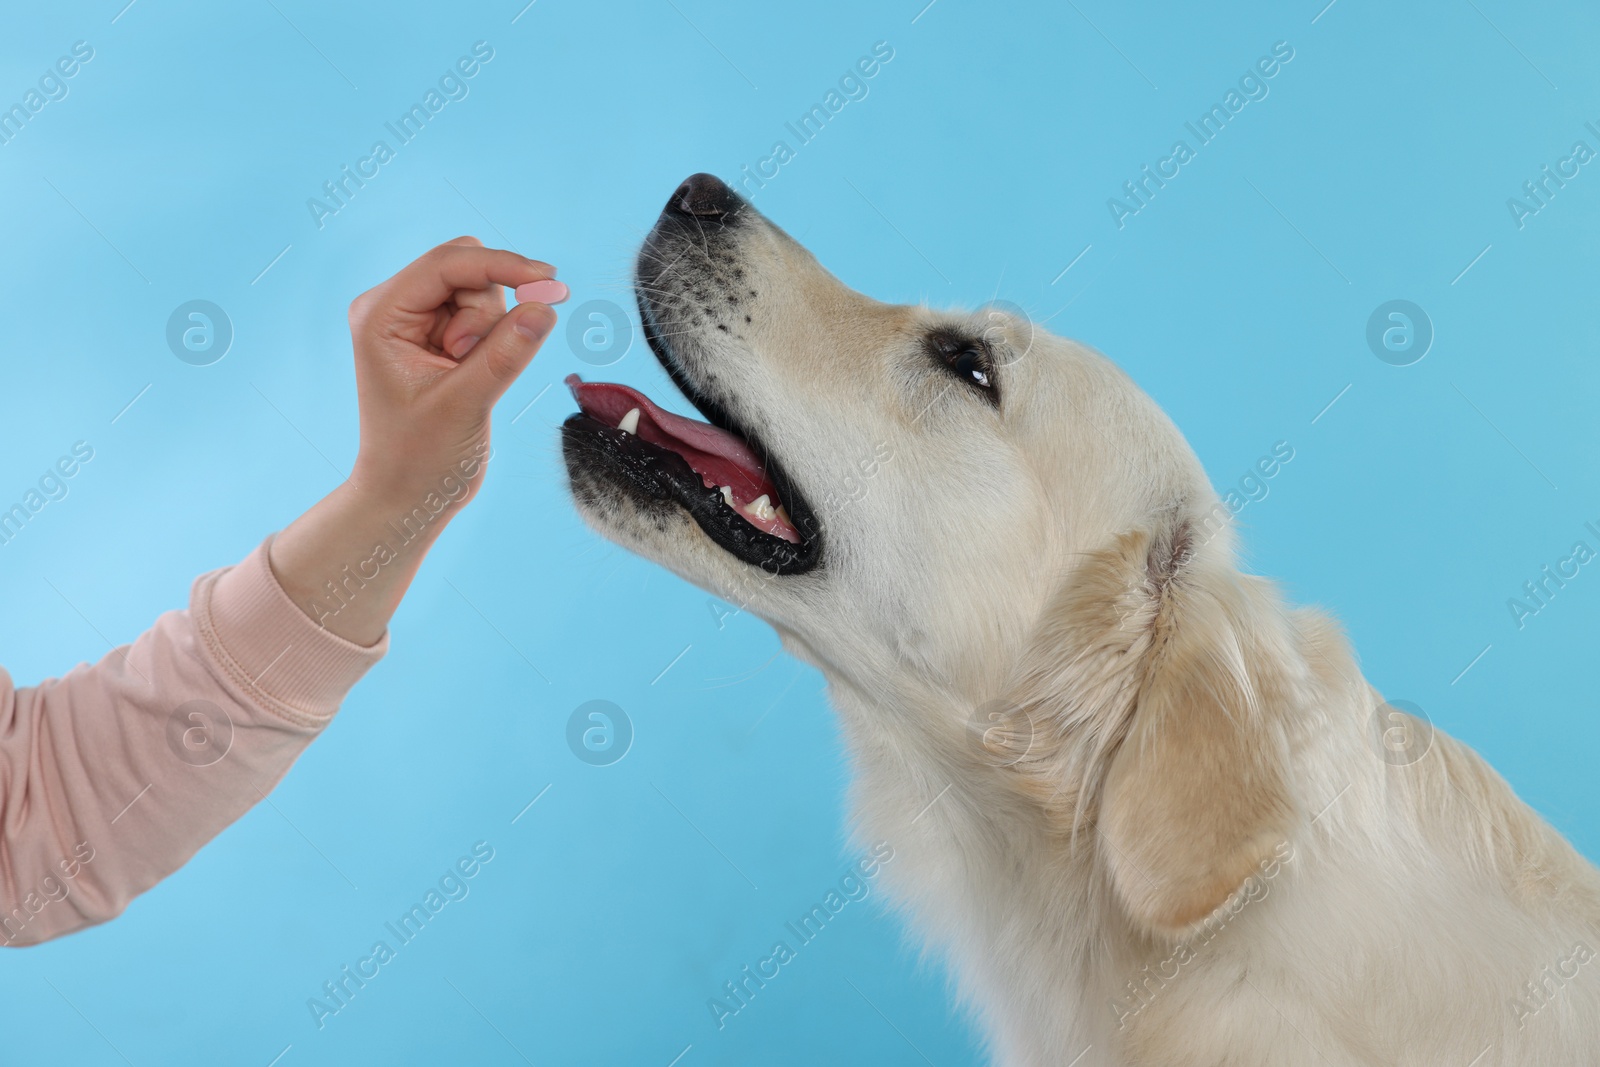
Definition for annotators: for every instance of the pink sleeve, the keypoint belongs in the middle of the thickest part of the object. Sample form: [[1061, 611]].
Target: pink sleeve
[[113, 776]]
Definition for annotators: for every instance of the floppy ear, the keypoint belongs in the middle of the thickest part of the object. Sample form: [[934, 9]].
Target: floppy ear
[[1161, 721], [1198, 796]]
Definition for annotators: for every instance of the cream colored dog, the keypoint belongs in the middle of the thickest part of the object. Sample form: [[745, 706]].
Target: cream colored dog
[[1150, 814]]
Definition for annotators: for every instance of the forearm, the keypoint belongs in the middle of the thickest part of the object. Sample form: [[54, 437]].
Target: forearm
[[349, 560]]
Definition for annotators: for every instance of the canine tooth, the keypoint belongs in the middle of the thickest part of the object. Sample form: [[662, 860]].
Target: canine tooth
[[727, 495], [783, 513], [761, 507], [630, 421]]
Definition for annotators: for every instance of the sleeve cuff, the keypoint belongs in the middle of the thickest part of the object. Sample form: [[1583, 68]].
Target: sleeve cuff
[[270, 649]]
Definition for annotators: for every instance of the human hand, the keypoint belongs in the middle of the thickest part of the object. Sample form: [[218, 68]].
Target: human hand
[[435, 349]]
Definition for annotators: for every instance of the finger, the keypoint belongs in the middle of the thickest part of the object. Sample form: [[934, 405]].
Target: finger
[[504, 353], [362, 307], [431, 279], [477, 310]]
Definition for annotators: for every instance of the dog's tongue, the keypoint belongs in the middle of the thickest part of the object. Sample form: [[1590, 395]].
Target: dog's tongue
[[717, 456]]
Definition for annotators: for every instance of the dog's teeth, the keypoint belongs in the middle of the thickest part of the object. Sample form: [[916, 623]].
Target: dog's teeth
[[761, 508], [783, 513], [630, 421], [727, 495]]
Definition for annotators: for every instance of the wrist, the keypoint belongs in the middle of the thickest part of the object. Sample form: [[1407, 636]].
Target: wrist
[[437, 490]]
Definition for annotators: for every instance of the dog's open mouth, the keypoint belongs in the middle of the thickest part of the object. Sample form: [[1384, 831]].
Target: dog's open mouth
[[722, 460], [722, 478]]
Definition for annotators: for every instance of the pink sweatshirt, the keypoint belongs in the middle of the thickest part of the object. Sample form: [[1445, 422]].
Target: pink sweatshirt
[[113, 776]]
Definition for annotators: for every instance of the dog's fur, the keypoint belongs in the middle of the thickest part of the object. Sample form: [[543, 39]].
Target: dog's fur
[[1149, 813]]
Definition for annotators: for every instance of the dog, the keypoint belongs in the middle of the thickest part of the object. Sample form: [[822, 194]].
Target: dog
[[1147, 813]]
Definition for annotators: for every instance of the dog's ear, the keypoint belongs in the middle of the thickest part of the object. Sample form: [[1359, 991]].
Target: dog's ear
[[1161, 722], [1197, 795]]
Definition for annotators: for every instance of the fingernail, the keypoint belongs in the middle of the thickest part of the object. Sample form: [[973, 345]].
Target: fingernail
[[535, 326], [464, 345], [545, 291]]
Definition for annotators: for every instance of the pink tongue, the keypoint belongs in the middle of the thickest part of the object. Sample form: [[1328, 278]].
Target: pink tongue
[[719, 457]]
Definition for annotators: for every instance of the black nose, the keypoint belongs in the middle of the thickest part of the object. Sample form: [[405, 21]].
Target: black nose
[[704, 196]]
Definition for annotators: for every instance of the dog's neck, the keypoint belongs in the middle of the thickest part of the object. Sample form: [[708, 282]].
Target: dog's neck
[[1011, 905]]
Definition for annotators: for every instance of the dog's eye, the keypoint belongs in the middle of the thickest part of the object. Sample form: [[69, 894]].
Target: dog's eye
[[967, 357], [973, 365]]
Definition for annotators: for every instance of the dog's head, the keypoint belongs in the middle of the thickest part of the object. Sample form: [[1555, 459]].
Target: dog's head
[[904, 493], [928, 473]]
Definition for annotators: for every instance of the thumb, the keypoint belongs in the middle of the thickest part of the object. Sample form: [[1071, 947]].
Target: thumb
[[489, 368]]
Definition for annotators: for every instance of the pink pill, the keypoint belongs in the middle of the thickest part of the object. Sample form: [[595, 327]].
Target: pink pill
[[545, 291]]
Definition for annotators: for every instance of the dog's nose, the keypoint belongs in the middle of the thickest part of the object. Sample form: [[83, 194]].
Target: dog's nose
[[704, 196]]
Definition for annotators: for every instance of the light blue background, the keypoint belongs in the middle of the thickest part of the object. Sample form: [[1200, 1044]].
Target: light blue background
[[980, 164]]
